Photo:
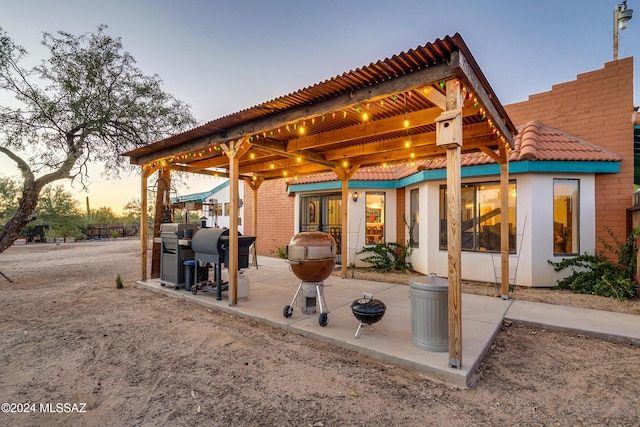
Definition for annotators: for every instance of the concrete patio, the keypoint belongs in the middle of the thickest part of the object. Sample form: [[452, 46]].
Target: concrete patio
[[272, 287]]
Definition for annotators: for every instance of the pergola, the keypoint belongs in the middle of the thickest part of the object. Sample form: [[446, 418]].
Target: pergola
[[424, 103]]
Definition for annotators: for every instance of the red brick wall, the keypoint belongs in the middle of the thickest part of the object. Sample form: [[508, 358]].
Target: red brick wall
[[275, 216], [596, 107]]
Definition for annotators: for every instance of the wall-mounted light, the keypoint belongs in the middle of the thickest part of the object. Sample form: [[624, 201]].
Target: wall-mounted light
[[355, 196]]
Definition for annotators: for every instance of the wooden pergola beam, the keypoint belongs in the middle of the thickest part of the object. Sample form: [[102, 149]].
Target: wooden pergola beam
[[424, 76]]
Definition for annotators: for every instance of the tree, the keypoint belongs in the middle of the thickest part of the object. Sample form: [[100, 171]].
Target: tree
[[87, 103], [58, 210], [9, 190]]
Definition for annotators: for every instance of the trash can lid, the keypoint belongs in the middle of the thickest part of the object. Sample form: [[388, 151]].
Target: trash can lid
[[431, 283], [190, 262]]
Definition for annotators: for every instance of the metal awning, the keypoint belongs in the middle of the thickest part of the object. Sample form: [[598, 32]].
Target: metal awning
[[383, 112]]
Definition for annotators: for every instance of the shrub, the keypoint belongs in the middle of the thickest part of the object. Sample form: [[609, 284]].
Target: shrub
[[387, 257], [281, 252], [119, 284], [597, 275]]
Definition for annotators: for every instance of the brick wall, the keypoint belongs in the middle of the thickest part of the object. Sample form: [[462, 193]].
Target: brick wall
[[275, 216], [596, 107]]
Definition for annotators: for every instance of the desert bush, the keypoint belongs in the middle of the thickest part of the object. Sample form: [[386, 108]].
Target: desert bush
[[387, 257], [598, 275]]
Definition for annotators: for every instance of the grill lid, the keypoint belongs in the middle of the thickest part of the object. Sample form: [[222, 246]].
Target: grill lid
[[311, 246]]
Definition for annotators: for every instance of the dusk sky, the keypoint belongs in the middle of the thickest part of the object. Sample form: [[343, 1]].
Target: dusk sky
[[225, 56]]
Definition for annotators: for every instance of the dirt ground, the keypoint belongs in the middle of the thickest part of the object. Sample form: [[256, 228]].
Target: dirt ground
[[74, 350]]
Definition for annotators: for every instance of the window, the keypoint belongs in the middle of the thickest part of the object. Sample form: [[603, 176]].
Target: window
[[414, 216], [565, 216], [480, 217], [374, 202]]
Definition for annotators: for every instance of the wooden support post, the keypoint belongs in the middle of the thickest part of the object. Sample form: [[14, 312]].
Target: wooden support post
[[504, 223], [454, 251], [344, 174], [144, 230], [254, 184], [162, 201], [344, 265], [449, 136], [234, 151]]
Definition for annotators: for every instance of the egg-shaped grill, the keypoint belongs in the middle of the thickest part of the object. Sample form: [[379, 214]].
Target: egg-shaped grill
[[312, 258], [312, 255]]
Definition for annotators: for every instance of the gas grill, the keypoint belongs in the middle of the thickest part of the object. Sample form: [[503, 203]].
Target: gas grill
[[176, 249], [212, 246]]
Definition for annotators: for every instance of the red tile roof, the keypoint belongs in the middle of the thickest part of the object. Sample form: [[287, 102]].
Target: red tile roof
[[534, 141]]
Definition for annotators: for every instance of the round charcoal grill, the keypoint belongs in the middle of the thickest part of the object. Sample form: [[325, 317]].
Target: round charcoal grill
[[312, 258], [368, 311]]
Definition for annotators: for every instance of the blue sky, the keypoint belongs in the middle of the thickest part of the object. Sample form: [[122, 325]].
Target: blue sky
[[224, 56]]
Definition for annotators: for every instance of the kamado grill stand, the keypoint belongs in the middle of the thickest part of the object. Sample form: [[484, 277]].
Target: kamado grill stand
[[312, 258]]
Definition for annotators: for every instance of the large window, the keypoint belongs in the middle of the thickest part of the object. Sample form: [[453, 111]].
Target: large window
[[375, 218], [414, 216], [481, 217], [565, 216]]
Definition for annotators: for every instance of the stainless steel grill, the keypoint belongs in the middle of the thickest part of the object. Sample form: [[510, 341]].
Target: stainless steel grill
[[175, 250]]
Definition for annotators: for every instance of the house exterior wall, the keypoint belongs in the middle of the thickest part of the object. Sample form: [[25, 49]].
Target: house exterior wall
[[596, 107], [534, 234], [222, 197]]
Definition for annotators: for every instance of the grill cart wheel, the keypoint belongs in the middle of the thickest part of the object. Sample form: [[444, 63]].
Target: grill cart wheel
[[323, 319], [194, 289], [287, 312]]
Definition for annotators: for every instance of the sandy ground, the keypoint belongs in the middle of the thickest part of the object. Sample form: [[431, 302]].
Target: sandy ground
[[74, 350]]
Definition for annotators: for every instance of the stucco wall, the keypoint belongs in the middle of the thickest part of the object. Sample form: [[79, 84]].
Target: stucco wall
[[534, 235]]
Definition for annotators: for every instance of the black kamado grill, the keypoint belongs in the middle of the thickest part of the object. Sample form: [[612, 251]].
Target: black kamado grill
[[211, 245], [312, 258]]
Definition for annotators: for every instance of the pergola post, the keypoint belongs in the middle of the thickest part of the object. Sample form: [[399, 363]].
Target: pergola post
[[163, 190], [254, 184], [144, 218], [233, 151], [504, 224], [449, 136], [344, 174]]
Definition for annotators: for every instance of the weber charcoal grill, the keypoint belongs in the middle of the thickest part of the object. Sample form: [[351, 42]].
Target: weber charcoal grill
[[312, 258], [211, 245], [176, 249]]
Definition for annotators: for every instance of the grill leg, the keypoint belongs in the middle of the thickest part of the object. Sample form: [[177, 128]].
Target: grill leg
[[293, 302], [219, 280], [321, 301]]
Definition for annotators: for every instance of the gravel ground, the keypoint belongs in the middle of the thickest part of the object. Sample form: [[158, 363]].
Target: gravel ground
[[77, 351]]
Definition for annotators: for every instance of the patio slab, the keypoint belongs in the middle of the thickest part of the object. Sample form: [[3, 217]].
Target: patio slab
[[272, 287]]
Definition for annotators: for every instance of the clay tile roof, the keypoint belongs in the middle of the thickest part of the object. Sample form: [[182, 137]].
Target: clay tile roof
[[534, 141]]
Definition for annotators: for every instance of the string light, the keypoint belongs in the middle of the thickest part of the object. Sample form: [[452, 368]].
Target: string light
[[365, 116]]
